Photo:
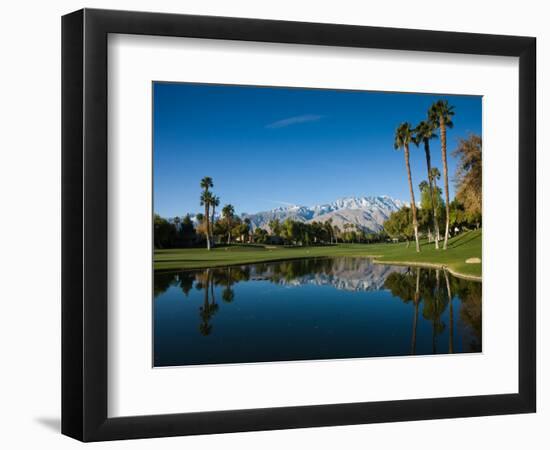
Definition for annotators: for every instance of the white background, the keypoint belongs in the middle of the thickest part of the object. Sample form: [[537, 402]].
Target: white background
[[30, 189], [135, 389]]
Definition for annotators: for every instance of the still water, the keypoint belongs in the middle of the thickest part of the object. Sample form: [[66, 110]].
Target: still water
[[319, 308]]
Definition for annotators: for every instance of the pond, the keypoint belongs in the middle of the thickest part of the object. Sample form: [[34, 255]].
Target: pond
[[307, 309]]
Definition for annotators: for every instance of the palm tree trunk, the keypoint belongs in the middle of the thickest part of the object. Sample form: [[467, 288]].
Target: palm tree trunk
[[413, 204], [443, 132], [432, 196], [212, 224], [206, 215]]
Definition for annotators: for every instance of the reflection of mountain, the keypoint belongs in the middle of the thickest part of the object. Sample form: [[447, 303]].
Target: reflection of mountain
[[350, 274]]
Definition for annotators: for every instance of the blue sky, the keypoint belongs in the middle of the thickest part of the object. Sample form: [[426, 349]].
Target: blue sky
[[267, 147]]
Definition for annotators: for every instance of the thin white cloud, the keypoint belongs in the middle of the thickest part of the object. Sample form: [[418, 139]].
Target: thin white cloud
[[278, 202], [283, 203], [294, 120]]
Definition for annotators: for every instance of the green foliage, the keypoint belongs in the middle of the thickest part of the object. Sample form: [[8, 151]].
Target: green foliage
[[439, 112], [403, 135], [469, 176], [399, 225], [174, 233]]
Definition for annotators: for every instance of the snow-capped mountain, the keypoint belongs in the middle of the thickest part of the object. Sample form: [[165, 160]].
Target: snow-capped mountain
[[369, 213]]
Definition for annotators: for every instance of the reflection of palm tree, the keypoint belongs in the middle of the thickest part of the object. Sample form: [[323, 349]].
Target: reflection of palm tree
[[207, 310], [451, 350], [416, 302], [434, 307], [228, 295]]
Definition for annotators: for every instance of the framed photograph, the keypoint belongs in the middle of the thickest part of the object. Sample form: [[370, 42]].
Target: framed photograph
[[273, 224]]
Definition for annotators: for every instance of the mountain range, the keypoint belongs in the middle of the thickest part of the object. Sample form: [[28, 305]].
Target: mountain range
[[368, 213]]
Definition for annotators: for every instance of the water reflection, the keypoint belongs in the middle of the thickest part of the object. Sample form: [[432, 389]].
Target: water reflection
[[312, 309]]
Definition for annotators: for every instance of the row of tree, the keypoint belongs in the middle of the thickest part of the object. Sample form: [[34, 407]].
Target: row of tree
[[293, 232], [229, 227], [439, 119], [464, 210]]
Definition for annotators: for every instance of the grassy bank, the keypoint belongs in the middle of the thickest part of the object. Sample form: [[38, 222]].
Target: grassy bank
[[465, 246]]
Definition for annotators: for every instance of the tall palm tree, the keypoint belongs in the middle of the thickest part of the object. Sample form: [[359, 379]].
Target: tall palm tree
[[440, 114], [424, 132], [228, 212], [215, 202], [403, 137], [206, 200]]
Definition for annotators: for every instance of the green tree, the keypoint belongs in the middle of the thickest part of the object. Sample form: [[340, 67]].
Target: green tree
[[290, 231], [187, 231], [260, 235], [440, 114], [427, 198], [403, 138], [468, 176], [399, 224], [275, 227]]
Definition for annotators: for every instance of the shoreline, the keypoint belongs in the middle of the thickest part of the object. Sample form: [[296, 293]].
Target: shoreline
[[371, 257], [431, 266]]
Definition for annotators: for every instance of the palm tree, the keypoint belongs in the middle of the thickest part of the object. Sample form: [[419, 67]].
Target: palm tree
[[440, 114], [403, 137], [215, 202], [228, 212], [424, 131], [207, 183], [206, 200]]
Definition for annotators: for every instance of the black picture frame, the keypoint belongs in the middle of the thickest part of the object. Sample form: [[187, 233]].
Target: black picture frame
[[84, 224]]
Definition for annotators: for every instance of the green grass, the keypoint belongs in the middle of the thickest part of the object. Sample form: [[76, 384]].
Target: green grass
[[462, 247]]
